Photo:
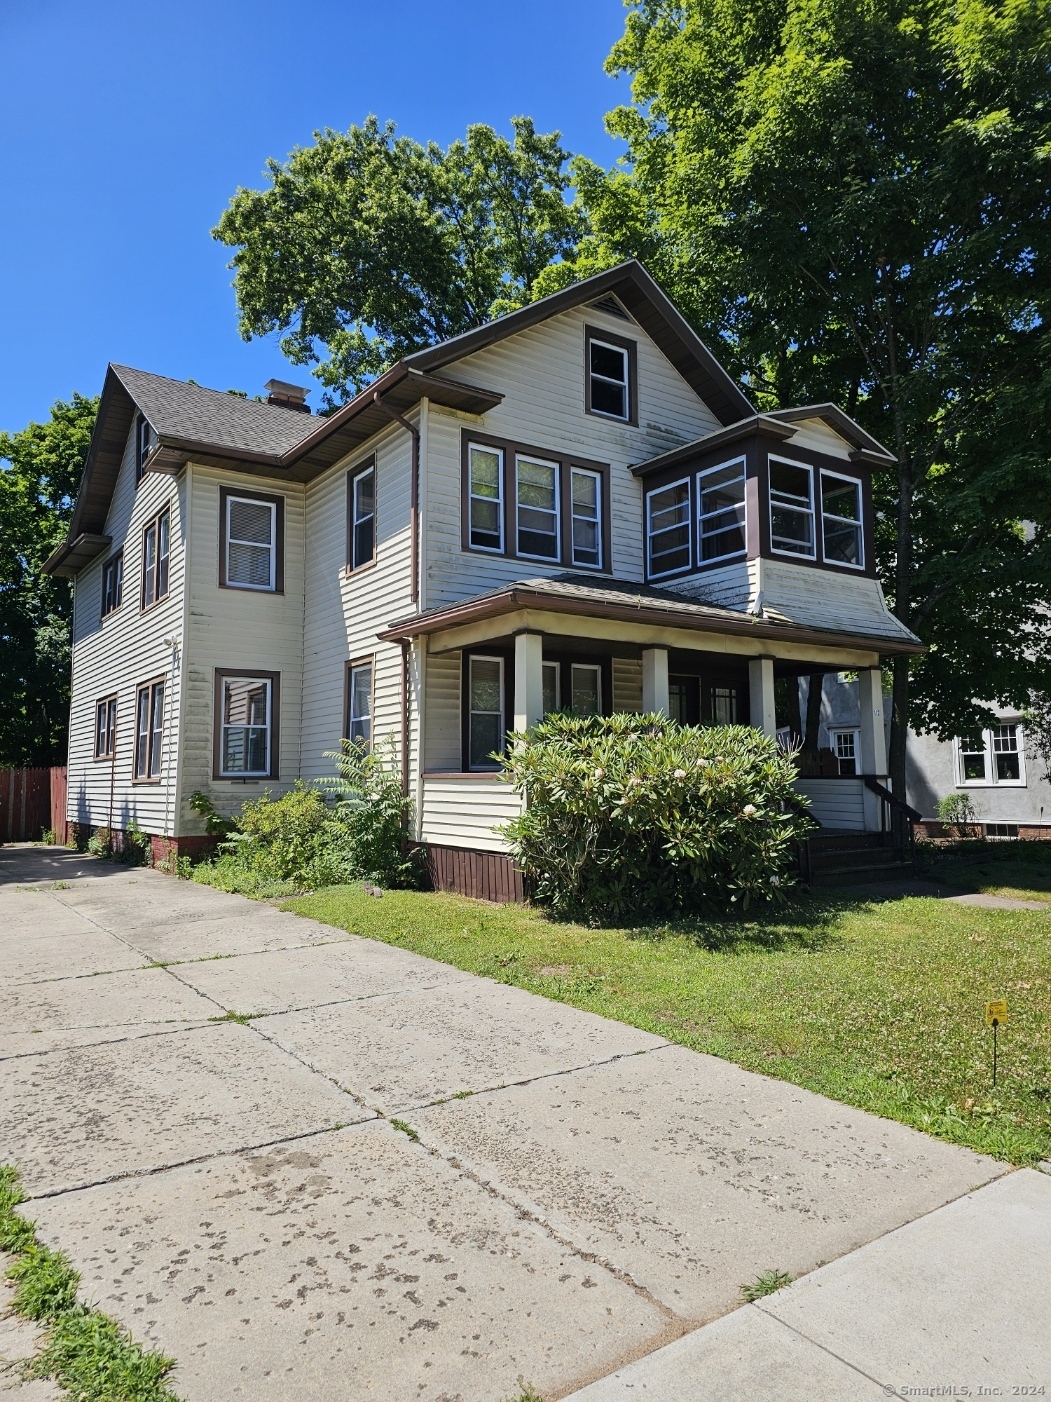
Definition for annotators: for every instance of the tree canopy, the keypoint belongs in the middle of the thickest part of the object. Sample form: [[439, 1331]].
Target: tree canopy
[[850, 199], [40, 470], [367, 246]]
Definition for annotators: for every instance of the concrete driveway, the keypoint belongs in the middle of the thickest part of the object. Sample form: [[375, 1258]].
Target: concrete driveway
[[574, 1194]]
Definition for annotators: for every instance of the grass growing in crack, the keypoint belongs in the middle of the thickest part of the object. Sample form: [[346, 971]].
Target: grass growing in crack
[[90, 1355], [230, 1016], [406, 1129], [765, 1284]]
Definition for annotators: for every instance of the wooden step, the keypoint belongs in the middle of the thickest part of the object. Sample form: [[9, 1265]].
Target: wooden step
[[858, 875]]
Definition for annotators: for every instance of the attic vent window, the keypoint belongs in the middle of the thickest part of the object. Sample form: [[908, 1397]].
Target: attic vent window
[[611, 307]]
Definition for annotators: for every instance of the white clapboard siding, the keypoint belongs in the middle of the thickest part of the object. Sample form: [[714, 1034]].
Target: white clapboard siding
[[242, 628], [815, 598], [836, 803], [112, 656], [464, 812], [818, 435], [627, 684], [442, 726], [540, 371], [344, 611], [732, 585]]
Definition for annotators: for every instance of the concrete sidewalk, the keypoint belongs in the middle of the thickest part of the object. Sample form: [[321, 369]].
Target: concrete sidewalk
[[575, 1194]]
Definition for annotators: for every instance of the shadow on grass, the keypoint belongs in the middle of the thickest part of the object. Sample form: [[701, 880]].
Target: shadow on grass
[[807, 921], [970, 866]]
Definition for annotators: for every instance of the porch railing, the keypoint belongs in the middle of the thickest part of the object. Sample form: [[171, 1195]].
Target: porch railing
[[898, 819]]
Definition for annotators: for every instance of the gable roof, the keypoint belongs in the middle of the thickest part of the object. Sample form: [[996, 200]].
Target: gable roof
[[651, 308], [223, 429]]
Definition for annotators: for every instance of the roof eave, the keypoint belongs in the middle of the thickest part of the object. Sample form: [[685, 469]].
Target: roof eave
[[718, 438]]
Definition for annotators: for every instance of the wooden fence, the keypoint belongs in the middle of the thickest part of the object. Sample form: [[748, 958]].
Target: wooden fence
[[32, 800]]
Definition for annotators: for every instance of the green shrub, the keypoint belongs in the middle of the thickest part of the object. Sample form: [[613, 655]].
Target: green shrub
[[958, 813], [371, 816], [282, 842], [100, 843], [635, 816]]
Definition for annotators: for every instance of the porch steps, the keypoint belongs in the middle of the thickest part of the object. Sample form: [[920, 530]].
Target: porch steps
[[848, 858]]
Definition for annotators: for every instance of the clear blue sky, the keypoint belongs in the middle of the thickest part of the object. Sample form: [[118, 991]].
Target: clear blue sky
[[126, 125]]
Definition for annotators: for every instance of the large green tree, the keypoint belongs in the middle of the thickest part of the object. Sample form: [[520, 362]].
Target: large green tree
[[851, 198], [367, 246], [40, 470]]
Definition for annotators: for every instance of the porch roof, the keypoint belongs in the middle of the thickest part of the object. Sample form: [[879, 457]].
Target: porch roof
[[627, 601]]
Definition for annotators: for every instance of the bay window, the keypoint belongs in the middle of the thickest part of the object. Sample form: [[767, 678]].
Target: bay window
[[791, 508], [841, 527], [668, 535], [720, 511]]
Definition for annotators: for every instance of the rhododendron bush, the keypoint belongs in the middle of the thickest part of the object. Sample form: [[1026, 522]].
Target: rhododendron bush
[[630, 817]]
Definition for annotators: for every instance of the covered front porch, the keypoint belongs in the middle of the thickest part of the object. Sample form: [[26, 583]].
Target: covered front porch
[[500, 662]]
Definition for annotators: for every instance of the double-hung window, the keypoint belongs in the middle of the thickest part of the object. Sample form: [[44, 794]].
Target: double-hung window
[[536, 500], [550, 674], [485, 720], [156, 553], [251, 542], [105, 728], [361, 510], [586, 508], [609, 378], [113, 583], [791, 508], [668, 535], [848, 750], [149, 729], [841, 520], [994, 756], [585, 681], [486, 497], [246, 726], [720, 511], [359, 702]]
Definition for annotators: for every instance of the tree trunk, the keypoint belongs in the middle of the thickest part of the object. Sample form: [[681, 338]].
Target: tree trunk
[[810, 758], [899, 725]]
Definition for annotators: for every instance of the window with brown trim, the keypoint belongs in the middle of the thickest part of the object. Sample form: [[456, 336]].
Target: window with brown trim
[[143, 445], [359, 701], [531, 504], [149, 730], [246, 724], [113, 583], [156, 558], [251, 541], [361, 515], [105, 727], [610, 375]]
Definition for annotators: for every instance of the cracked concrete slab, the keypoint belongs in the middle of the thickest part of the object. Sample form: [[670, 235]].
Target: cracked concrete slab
[[70, 954], [405, 1050], [355, 1265], [68, 1118], [696, 1176], [306, 978], [254, 930], [46, 1016]]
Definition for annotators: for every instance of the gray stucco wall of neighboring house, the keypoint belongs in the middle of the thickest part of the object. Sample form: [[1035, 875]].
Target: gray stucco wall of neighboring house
[[933, 765]]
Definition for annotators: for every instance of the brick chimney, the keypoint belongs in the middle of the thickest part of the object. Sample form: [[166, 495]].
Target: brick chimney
[[287, 396]]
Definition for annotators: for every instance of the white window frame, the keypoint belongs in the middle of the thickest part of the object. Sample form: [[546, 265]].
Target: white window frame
[[556, 467], [842, 520], [499, 499], [595, 667], [148, 772], [358, 475], [988, 741], [600, 507], [224, 726], [366, 664], [625, 384], [271, 506], [835, 732], [790, 506], [472, 658], [702, 563], [680, 569]]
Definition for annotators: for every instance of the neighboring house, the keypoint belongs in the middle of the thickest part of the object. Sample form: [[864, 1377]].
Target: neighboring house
[[1008, 787], [573, 506]]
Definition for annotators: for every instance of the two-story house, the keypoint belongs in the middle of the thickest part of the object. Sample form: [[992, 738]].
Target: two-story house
[[572, 506]]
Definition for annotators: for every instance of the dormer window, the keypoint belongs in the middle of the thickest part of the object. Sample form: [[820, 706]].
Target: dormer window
[[841, 520], [791, 508], [611, 377]]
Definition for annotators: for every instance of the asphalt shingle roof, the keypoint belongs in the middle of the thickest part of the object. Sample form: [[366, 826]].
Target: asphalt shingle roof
[[179, 410]]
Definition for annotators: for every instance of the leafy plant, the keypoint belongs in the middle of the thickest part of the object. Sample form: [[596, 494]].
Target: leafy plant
[[215, 825], [958, 813], [135, 847], [372, 815], [49, 837], [632, 816], [100, 843], [765, 1284]]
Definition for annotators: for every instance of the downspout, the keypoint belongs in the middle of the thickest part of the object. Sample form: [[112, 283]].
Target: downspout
[[414, 492], [405, 646]]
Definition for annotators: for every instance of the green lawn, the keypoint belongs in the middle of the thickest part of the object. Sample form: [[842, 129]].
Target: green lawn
[[879, 1004]]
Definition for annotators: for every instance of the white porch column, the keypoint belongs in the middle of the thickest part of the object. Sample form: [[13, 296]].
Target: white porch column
[[529, 680], [655, 680], [873, 755], [761, 694]]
